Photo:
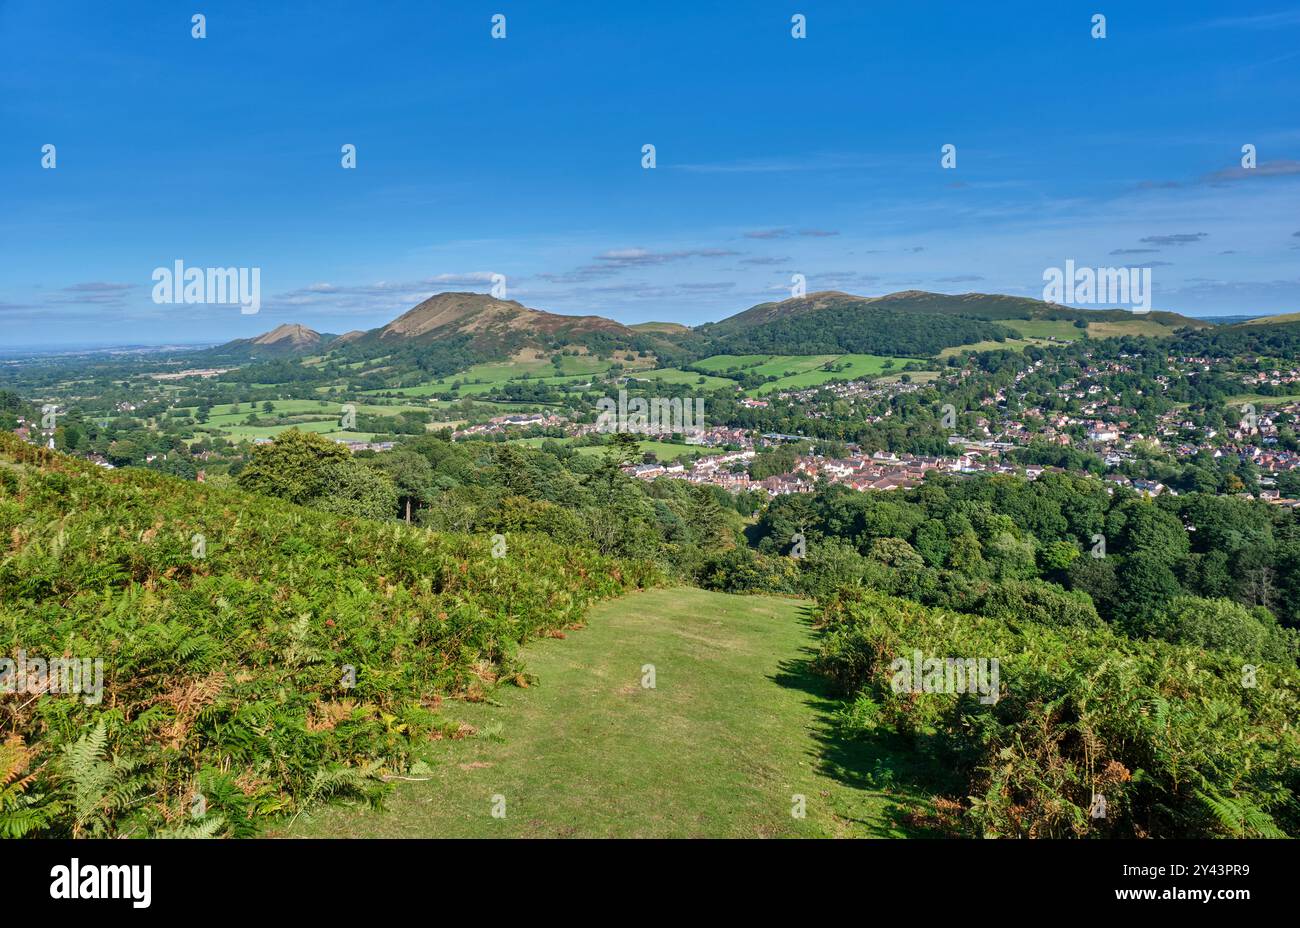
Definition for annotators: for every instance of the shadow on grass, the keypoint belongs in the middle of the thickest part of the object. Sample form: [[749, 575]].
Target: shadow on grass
[[905, 767]]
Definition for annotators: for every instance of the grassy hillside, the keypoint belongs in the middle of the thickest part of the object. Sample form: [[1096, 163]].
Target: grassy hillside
[[256, 656], [661, 328], [734, 729], [1280, 319]]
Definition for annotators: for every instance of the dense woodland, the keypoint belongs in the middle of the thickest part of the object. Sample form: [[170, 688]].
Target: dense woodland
[[1218, 572], [850, 330]]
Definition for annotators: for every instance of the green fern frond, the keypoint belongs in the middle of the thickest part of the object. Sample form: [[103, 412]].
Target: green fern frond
[[1240, 818]]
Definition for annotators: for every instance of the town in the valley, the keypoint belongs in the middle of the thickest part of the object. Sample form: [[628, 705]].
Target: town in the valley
[[1099, 410]]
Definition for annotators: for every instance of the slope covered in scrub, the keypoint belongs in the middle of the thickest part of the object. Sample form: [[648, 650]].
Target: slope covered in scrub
[[256, 656], [1082, 733]]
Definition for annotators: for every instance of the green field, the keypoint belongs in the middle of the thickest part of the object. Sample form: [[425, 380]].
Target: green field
[[785, 365], [226, 414], [668, 451], [424, 389], [327, 427], [800, 371], [916, 377], [477, 389], [1138, 325], [1011, 344], [501, 371], [320, 416], [766, 365], [482, 379], [735, 728], [853, 367], [677, 376], [1059, 329], [1260, 399], [1048, 331], [663, 450], [722, 362], [492, 375]]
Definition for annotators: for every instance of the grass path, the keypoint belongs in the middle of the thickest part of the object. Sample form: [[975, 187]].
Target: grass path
[[734, 728]]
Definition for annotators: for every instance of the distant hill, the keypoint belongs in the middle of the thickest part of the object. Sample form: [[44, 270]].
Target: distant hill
[[661, 328], [475, 321], [285, 340], [839, 323], [486, 319], [455, 330], [1272, 336], [1280, 319], [986, 306], [795, 306], [452, 331], [903, 323], [1225, 320], [999, 307], [910, 301]]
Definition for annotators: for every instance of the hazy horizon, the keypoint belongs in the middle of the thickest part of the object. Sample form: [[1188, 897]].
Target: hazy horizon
[[9, 349]]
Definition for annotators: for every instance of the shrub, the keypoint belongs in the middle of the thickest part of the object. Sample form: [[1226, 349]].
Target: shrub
[[1174, 738], [293, 467], [830, 564], [1224, 625], [744, 570], [1036, 601]]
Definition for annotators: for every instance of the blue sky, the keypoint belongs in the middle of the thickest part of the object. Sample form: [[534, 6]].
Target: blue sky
[[522, 156]]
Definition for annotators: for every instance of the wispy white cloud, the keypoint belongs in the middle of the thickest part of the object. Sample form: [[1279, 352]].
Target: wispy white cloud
[[1179, 238], [782, 165], [787, 233], [1278, 20], [1263, 171]]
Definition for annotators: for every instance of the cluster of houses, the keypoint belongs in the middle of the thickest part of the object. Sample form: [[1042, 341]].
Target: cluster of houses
[[514, 420], [879, 471], [851, 391], [1103, 425], [1273, 378], [33, 434], [719, 436], [1145, 487], [729, 471]]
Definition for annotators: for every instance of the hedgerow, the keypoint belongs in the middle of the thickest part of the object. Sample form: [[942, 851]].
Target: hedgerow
[[284, 656], [1178, 741]]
